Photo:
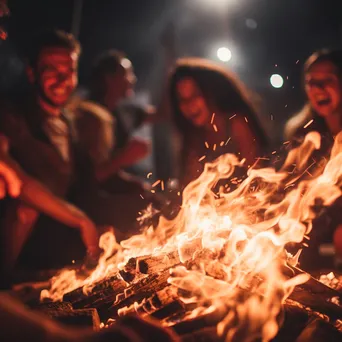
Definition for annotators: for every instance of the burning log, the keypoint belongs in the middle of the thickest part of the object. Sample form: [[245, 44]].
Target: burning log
[[319, 331], [80, 318], [55, 306], [203, 335], [145, 288], [149, 264], [152, 304], [104, 291]]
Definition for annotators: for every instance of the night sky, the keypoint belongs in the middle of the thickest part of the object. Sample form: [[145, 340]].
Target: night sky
[[287, 32]]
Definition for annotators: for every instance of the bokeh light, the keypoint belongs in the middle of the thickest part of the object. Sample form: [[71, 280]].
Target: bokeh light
[[276, 81], [224, 54]]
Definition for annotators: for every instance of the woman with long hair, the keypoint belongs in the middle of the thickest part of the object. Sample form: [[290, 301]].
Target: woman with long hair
[[214, 115], [322, 113]]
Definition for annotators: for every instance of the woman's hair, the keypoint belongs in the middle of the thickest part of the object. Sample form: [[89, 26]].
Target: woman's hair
[[220, 87], [307, 113]]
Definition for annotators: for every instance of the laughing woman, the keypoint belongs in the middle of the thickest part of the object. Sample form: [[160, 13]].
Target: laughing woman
[[323, 87], [322, 113], [213, 114]]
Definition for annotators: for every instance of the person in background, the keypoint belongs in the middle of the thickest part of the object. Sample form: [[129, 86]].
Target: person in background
[[100, 127], [213, 114], [323, 88], [322, 113], [41, 142]]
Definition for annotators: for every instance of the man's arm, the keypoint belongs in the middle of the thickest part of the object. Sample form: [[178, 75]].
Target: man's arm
[[16, 181], [135, 150]]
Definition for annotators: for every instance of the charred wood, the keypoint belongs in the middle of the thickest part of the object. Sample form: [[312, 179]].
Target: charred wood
[[79, 318], [149, 264], [144, 288], [101, 292], [319, 331], [153, 304]]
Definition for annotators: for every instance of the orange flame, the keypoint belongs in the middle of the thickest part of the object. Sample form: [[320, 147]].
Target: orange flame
[[246, 232]]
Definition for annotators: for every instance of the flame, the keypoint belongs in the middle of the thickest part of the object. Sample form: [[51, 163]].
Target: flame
[[244, 232]]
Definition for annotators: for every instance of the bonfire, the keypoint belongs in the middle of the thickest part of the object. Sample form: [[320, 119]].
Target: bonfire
[[224, 258]]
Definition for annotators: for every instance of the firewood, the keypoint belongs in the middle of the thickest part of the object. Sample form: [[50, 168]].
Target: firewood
[[319, 331], [203, 335], [144, 288], [130, 270], [152, 304], [149, 264], [54, 306], [189, 326], [316, 302], [79, 318], [101, 292]]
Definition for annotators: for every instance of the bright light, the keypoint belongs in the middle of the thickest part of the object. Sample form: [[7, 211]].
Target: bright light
[[224, 54], [276, 81], [215, 3]]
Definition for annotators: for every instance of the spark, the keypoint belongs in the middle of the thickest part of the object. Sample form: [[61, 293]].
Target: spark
[[214, 148], [215, 128], [212, 118], [221, 143], [274, 152], [308, 124], [286, 142], [297, 61], [156, 183], [142, 196], [232, 117], [246, 119], [206, 144], [149, 175], [153, 191], [202, 158], [228, 141], [162, 185]]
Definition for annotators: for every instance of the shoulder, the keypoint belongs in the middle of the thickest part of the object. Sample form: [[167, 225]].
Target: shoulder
[[89, 110]]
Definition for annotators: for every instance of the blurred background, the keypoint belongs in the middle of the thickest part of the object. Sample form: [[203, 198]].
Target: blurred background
[[265, 42]]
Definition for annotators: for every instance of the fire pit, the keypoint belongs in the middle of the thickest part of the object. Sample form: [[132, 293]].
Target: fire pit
[[219, 270]]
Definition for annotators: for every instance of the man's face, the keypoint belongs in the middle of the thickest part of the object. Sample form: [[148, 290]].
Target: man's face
[[56, 75]]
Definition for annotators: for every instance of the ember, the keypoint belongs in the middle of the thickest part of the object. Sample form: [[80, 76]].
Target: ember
[[222, 261]]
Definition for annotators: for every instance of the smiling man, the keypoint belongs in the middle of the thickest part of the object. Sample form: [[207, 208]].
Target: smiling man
[[40, 140]]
